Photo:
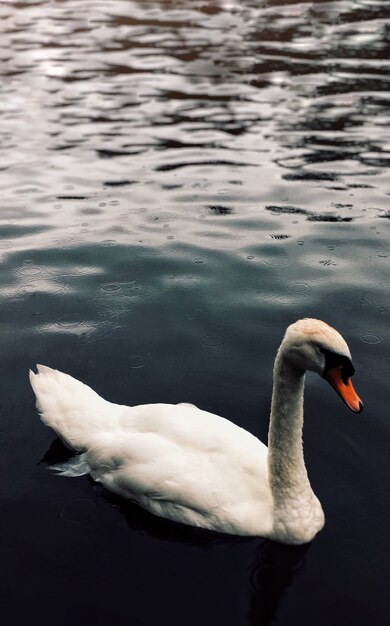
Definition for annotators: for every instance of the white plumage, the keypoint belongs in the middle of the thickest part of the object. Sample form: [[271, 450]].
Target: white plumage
[[192, 466]]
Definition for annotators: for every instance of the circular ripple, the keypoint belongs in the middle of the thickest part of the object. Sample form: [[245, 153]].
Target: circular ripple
[[299, 287], [110, 287], [287, 300], [280, 261], [198, 260], [212, 341], [43, 287], [368, 338], [78, 510], [108, 243], [30, 270], [68, 321], [136, 361], [133, 291]]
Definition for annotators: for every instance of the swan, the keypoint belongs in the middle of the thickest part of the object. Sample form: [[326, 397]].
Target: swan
[[194, 467]]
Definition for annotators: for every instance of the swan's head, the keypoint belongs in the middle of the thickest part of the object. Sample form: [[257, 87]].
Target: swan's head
[[311, 344]]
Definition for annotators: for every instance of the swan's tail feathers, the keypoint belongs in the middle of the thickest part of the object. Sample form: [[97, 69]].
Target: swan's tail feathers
[[71, 408], [76, 466]]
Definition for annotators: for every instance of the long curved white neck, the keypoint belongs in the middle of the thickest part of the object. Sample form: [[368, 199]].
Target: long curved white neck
[[289, 483]]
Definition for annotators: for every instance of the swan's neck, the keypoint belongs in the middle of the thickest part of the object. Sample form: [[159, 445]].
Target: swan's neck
[[294, 500]]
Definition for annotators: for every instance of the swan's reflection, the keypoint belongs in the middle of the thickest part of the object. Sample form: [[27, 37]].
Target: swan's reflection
[[275, 569]]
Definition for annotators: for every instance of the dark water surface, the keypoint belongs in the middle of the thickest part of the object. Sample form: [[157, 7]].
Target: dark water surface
[[179, 181]]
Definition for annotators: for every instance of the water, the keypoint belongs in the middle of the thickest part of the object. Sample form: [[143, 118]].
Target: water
[[179, 182]]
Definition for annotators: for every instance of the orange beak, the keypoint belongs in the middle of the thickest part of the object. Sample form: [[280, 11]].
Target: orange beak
[[344, 389]]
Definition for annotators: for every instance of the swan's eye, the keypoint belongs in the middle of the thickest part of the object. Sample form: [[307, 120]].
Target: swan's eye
[[333, 359]]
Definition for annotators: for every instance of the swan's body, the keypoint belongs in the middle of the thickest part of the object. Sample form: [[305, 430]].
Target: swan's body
[[195, 467]]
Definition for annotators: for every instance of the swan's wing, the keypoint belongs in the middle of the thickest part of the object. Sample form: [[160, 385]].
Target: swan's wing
[[185, 464]]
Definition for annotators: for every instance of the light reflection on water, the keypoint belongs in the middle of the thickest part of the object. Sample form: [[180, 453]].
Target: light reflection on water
[[180, 180]]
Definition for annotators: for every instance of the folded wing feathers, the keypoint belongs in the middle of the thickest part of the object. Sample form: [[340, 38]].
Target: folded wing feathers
[[77, 466], [69, 406]]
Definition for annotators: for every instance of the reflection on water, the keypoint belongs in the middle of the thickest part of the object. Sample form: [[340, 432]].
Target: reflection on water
[[179, 181], [276, 568]]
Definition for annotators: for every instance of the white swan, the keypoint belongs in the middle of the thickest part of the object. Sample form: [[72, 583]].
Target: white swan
[[195, 467]]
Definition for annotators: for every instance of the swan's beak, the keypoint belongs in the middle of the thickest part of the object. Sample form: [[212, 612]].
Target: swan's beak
[[334, 376]]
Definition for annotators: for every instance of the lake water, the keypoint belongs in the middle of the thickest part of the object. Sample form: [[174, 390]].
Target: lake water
[[180, 180]]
